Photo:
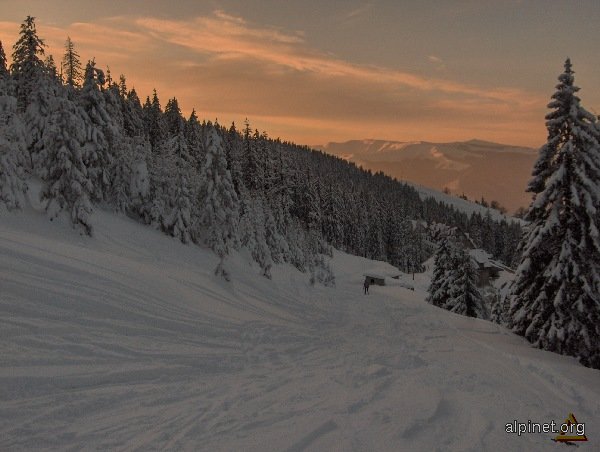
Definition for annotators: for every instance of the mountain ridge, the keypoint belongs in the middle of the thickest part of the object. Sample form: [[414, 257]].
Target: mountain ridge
[[475, 168]]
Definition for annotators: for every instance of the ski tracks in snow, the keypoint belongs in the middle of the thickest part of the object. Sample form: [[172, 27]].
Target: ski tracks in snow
[[116, 344]]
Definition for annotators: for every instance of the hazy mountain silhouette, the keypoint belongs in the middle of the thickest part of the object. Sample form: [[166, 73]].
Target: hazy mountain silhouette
[[476, 168]]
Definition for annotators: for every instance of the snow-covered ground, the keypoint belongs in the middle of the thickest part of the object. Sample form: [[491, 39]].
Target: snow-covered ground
[[126, 341]]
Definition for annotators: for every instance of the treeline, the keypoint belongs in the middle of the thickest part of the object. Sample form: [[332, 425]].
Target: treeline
[[93, 142], [493, 204]]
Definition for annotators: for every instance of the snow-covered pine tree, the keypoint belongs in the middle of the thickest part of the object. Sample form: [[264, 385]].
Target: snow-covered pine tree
[[234, 151], [253, 235], [275, 241], [180, 167], [4, 74], [122, 149], [405, 248], [307, 208], [178, 173], [299, 255], [50, 69], [68, 184], [193, 136], [374, 244], [219, 205], [13, 150], [500, 305], [122, 86], [439, 288], [121, 173], [27, 65], [102, 134], [350, 219], [139, 182], [331, 209], [175, 129], [267, 159], [152, 210], [5, 79], [396, 232], [253, 169], [464, 297], [154, 123], [321, 272], [174, 122], [71, 65], [133, 116], [512, 237], [36, 119], [108, 76], [279, 200], [497, 311], [178, 223], [160, 164], [113, 105], [555, 299], [416, 249]]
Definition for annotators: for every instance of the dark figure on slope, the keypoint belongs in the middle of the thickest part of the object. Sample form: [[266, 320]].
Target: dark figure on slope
[[366, 286]]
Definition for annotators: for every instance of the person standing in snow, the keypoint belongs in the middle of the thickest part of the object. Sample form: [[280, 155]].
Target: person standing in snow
[[366, 286]]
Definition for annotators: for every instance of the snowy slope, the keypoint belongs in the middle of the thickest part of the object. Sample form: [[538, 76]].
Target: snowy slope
[[462, 205], [126, 341], [476, 168]]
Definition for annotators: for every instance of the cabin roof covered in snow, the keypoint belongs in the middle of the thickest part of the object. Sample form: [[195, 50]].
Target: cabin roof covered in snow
[[485, 260], [480, 256]]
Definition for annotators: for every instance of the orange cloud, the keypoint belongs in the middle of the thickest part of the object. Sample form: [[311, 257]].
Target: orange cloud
[[228, 68], [230, 37]]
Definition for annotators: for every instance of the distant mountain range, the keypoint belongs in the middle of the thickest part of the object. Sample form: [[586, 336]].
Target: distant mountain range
[[474, 168]]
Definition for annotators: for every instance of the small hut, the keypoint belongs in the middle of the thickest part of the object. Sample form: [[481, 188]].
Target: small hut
[[487, 268], [373, 279]]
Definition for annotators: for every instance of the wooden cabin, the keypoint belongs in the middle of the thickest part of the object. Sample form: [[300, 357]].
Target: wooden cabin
[[487, 268], [373, 279]]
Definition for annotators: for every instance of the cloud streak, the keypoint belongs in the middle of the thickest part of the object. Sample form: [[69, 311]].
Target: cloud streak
[[227, 67], [358, 12], [231, 37], [438, 62]]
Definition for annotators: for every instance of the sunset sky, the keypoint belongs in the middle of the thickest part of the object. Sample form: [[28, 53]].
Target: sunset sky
[[313, 71]]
